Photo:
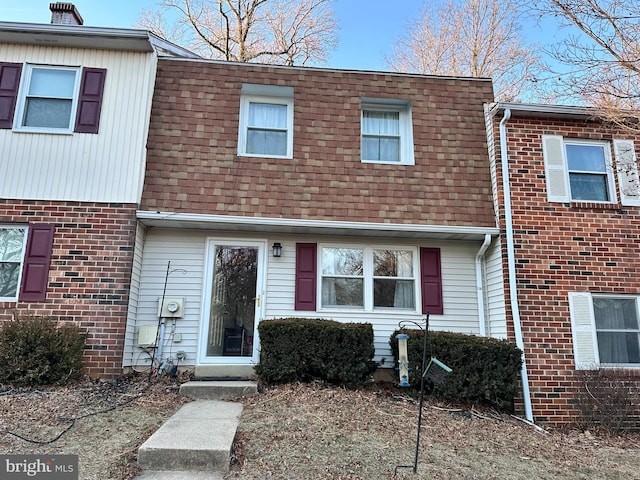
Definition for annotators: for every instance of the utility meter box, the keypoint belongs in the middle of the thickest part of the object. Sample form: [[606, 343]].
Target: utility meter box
[[147, 336], [173, 307]]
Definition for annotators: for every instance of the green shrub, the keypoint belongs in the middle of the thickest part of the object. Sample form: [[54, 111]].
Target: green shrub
[[301, 349], [34, 351], [485, 370]]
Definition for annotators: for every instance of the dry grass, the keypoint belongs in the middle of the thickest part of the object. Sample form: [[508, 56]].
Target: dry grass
[[101, 422], [311, 432]]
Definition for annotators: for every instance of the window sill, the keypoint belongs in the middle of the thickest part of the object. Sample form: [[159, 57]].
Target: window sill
[[595, 206], [260, 155], [379, 162], [45, 131]]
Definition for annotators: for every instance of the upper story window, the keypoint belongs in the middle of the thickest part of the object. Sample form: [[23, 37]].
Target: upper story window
[[49, 100], [387, 133], [12, 247], [590, 178], [582, 170], [368, 278], [266, 121]]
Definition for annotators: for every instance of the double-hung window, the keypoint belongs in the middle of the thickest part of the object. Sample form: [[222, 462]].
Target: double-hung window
[[49, 100], [605, 329], [12, 248], [266, 121], [368, 278], [590, 179], [386, 132], [581, 170], [617, 329]]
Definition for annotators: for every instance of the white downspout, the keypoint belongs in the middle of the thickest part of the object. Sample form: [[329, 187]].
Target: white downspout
[[480, 284], [511, 262]]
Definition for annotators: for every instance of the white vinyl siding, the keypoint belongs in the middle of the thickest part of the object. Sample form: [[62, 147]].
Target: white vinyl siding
[[134, 295], [103, 167], [458, 285], [186, 250], [495, 298]]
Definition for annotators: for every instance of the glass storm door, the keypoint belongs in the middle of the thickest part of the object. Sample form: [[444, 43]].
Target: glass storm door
[[234, 302]]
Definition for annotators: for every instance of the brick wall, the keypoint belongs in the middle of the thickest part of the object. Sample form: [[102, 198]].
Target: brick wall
[[89, 275], [193, 165], [561, 247]]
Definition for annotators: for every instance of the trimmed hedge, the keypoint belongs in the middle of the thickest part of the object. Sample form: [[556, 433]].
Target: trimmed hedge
[[303, 350], [485, 370], [35, 351]]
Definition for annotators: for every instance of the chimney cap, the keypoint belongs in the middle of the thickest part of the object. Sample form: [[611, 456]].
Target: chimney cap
[[64, 13]]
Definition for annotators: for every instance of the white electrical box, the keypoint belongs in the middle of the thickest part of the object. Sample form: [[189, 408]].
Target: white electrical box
[[147, 335], [173, 307]]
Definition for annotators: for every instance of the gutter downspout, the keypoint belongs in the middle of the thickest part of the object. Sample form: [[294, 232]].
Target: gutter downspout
[[511, 262], [480, 284]]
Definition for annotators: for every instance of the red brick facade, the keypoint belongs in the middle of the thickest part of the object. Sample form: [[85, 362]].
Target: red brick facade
[[193, 165], [89, 275], [561, 248]]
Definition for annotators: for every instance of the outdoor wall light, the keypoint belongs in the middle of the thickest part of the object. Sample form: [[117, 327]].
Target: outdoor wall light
[[277, 249], [403, 360]]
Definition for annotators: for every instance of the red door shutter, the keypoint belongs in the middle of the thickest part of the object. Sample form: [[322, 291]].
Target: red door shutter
[[431, 281], [306, 280], [90, 100], [9, 83], [35, 271]]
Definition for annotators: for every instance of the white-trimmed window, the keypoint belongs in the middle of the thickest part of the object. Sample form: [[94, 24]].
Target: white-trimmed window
[[606, 330], [12, 249], [368, 278], [590, 178], [48, 99], [582, 170], [266, 121], [387, 133]]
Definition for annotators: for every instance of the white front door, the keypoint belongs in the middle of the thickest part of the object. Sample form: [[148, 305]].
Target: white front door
[[232, 302]]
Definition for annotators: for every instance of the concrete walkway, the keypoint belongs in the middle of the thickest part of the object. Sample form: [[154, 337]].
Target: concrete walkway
[[196, 442]]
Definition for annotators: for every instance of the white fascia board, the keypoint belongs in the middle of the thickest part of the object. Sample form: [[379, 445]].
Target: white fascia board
[[79, 36], [328, 227]]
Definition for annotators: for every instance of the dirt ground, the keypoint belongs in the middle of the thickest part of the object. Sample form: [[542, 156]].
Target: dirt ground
[[310, 432]]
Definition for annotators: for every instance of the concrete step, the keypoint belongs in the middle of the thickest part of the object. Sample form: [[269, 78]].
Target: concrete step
[[217, 390], [197, 438]]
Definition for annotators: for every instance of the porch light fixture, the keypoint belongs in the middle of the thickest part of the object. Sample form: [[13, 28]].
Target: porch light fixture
[[277, 249]]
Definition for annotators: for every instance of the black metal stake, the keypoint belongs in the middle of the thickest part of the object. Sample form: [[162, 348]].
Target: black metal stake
[[424, 362], [422, 368]]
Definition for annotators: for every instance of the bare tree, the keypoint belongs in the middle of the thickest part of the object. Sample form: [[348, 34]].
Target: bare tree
[[602, 61], [268, 31], [478, 38]]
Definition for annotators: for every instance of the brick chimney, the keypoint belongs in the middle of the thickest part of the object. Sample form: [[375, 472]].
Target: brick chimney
[[63, 13]]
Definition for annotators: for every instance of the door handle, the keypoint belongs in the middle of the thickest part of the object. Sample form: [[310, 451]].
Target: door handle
[[258, 300]]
